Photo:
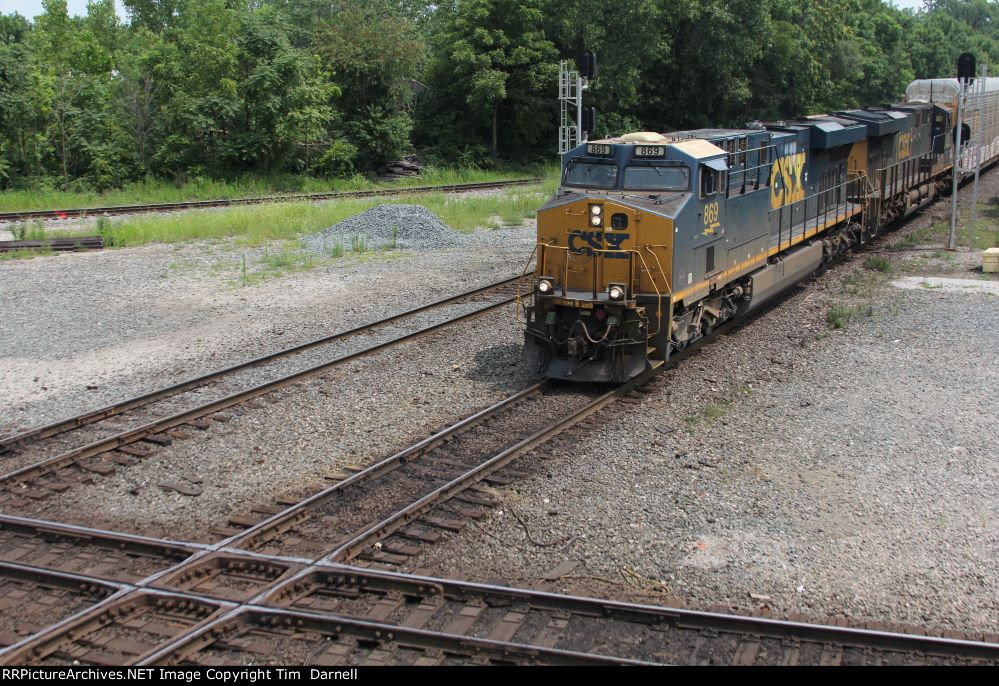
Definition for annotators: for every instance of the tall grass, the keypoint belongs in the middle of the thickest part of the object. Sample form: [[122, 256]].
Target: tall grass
[[984, 235], [154, 191], [258, 224]]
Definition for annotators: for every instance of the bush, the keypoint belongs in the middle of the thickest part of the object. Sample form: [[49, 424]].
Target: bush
[[878, 264], [338, 160]]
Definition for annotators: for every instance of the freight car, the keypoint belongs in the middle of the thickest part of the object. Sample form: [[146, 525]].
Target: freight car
[[652, 240]]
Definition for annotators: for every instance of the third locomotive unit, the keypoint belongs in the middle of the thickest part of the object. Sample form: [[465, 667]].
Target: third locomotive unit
[[652, 240]]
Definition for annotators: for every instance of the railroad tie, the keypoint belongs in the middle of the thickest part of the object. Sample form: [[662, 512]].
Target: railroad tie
[[465, 619], [551, 634], [508, 626]]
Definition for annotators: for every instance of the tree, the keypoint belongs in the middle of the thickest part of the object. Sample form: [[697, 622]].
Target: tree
[[377, 55], [494, 63]]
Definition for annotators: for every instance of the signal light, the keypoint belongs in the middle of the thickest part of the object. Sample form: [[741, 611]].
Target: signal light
[[586, 62], [966, 67]]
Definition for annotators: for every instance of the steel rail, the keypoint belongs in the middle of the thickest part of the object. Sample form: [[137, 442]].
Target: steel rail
[[143, 545], [70, 244], [678, 618], [102, 614], [158, 426], [364, 539], [23, 215], [100, 414], [281, 521], [501, 651], [271, 604], [68, 580]]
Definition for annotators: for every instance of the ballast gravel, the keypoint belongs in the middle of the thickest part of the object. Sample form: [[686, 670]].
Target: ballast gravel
[[786, 467], [407, 227], [84, 330], [789, 467]]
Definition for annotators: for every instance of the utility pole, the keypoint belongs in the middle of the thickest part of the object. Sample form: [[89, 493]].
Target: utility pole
[[587, 63], [979, 140], [965, 73]]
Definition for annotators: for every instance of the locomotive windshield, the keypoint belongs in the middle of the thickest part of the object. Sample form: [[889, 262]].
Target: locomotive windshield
[[656, 178], [591, 175]]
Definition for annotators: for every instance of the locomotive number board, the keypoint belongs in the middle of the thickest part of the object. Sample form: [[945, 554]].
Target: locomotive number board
[[650, 151], [598, 149]]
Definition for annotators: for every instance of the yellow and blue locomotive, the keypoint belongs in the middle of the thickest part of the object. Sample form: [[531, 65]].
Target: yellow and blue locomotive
[[652, 240]]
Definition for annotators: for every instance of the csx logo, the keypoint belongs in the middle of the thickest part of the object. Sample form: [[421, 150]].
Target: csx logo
[[904, 146], [585, 242], [787, 184]]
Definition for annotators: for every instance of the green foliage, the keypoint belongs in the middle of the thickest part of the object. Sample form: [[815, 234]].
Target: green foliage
[[492, 69], [839, 316], [197, 92], [28, 231], [878, 264], [256, 225], [151, 190], [376, 53]]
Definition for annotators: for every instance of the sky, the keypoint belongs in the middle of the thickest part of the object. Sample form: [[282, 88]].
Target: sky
[[32, 8]]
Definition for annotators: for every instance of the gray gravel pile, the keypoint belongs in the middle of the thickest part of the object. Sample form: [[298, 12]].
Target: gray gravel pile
[[407, 227]]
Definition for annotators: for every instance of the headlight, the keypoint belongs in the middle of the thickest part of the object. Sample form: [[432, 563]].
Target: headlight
[[545, 287], [596, 215], [615, 292]]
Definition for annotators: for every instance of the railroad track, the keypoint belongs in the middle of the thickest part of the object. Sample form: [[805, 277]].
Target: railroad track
[[72, 244], [267, 596], [50, 459], [24, 215], [330, 615], [308, 583]]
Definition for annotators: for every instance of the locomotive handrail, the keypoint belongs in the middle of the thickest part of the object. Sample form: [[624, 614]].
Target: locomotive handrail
[[631, 274], [745, 171], [804, 220]]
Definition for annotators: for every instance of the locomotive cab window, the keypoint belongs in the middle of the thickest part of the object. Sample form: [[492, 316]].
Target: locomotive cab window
[[656, 178], [712, 178], [590, 175]]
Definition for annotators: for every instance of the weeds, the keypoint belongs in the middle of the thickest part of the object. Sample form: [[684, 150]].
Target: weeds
[[878, 264], [258, 224], [715, 410], [337, 249], [158, 191], [105, 231], [839, 316], [26, 253], [29, 231], [274, 264], [983, 236]]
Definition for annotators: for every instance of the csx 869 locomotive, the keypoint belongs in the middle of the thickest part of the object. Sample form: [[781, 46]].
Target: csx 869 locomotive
[[652, 240]]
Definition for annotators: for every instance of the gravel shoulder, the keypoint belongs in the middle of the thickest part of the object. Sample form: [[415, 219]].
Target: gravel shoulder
[[789, 467], [83, 330]]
